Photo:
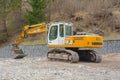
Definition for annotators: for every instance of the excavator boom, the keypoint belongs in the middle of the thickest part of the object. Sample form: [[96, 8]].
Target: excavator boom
[[32, 29]]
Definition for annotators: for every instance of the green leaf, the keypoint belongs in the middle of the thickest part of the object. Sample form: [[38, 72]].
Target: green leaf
[[37, 14]]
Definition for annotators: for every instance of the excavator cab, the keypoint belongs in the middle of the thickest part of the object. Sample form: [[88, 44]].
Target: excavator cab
[[58, 32]]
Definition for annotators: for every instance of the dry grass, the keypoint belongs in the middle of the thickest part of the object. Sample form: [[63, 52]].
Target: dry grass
[[98, 16], [36, 42]]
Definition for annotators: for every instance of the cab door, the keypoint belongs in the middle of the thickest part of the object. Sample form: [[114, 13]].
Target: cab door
[[53, 34], [61, 37]]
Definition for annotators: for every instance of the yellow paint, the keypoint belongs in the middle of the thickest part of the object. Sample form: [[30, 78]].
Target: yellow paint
[[81, 41]]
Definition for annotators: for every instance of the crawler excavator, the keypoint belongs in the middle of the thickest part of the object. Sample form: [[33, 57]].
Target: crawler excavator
[[65, 45]]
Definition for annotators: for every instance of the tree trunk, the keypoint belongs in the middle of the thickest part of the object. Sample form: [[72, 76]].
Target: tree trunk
[[5, 20], [49, 9], [5, 26], [49, 14]]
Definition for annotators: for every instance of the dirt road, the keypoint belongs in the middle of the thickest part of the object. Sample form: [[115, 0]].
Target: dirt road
[[41, 69]]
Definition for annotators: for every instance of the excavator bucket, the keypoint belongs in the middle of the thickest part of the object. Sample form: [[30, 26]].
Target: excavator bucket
[[18, 53]]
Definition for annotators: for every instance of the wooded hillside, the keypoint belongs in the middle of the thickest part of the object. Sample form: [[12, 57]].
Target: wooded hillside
[[98, 16]]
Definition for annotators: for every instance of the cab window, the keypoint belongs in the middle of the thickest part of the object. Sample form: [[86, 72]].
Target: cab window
[[68, 30], [53, 32], [61, 30]]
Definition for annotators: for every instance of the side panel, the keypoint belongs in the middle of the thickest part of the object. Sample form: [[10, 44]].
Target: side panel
[[84, 41]]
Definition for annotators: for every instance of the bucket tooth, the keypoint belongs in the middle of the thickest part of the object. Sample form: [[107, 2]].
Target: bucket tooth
[[20, 56]]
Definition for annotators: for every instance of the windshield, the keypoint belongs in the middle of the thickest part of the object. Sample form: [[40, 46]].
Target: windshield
[[53, 32], [68, 30]]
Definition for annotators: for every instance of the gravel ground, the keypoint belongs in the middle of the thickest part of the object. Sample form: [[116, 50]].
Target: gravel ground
[[39, 68], [36, 67]]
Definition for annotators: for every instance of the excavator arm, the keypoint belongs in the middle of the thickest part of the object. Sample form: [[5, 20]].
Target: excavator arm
[[32, 29]]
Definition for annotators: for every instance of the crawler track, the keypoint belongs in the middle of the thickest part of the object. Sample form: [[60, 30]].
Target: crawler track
[[74, 56], [89, 55], [63, 54]]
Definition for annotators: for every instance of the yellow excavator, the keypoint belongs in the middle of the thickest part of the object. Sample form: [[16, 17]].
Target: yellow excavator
[[66, 45]]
